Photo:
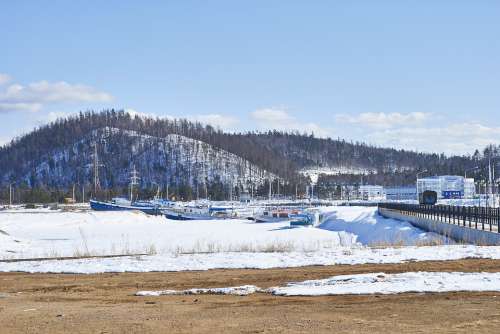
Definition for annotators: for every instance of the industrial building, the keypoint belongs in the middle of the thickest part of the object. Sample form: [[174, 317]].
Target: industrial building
[[371, 193], [447, 186], [401, 193]]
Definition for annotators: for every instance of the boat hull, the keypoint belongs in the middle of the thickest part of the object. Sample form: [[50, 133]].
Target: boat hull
[[174, 215], [105, 206]]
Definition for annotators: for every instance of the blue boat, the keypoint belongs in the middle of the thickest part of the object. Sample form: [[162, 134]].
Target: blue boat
[[305, 219], [187, 213], [152, 207], [120, 204]]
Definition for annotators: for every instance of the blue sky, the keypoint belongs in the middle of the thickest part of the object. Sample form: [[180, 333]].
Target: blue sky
[[422, 75]]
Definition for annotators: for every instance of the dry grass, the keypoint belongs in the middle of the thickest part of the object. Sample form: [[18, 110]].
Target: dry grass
[[210, 248]]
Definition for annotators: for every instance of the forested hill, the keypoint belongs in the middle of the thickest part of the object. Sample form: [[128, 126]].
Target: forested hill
[[188, 156]]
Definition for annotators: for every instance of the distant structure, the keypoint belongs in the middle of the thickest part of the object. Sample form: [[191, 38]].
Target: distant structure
[[447, 186], [245, 197], [401, 193], [371, 193]]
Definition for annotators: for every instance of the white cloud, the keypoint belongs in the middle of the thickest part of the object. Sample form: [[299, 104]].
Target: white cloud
[[454, 138], [36, 95], [55, 115], [7, 107], [217, 120], [134, 113], [418, 131], [384, 120], [46, 92], [273, 116], [280, 119], [4, 78]]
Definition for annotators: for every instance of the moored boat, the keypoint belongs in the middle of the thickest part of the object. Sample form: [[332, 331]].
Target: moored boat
[[274, 216], [306, 219], [121, 204]]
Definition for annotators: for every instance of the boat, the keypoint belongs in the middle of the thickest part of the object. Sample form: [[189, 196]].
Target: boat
[[306, 219], [207, 212], [188, 212], [152, 207], [122, 204], [275, 216]]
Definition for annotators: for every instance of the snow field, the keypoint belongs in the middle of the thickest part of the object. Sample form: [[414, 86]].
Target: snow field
[[46, 233], [153, 243], [56, 234]]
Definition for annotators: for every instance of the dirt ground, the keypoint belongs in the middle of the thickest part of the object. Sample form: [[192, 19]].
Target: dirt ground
[[67, 303]]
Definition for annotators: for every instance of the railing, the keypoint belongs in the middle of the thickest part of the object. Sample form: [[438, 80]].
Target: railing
[[480, 218]]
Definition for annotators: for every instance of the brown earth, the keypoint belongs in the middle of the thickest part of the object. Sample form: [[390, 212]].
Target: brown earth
[[67, 303]]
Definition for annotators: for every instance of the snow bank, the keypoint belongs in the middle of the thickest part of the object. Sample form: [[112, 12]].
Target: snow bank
[[242, 260], [381, 283], [372, 229], [236, 290], [371, 283]]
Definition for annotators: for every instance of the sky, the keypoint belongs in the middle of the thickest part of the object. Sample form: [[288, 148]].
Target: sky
[[419, 75]]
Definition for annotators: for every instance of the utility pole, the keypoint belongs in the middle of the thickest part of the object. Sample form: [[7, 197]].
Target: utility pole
[[97, 185], [96, 169], [278, 192], [270, 188], [134, 180]]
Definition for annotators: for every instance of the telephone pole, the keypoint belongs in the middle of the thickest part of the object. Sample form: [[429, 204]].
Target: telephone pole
[[10, 194], [134, 181]]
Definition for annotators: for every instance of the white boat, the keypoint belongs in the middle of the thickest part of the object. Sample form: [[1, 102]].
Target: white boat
[[275, 215], [203, 212]]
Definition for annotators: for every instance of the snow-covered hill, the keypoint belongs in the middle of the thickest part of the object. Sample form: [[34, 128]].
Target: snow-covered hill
[[173, 159]]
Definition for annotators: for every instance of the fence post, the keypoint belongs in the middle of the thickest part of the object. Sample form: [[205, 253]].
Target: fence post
[[475, 217], [498, 220], [490, 216], [482, 217]]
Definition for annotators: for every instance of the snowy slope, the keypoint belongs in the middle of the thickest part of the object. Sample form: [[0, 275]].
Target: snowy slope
[[375, 230]]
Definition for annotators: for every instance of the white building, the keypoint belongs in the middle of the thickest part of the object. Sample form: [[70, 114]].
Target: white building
[[401, 193], [371, 193], [447, 186]]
